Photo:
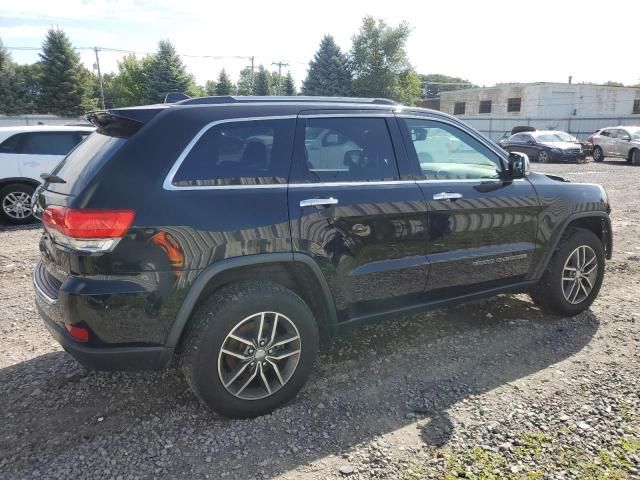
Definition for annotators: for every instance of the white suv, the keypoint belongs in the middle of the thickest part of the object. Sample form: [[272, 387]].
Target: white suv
[[25, 153]]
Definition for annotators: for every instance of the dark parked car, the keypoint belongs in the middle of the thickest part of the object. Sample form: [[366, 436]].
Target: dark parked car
[[546, 146], [513, 131], [235, 233]]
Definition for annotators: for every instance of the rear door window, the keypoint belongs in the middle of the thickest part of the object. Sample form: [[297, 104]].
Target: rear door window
[[244, 152], [347, 150], [48, 143], [10, 145]]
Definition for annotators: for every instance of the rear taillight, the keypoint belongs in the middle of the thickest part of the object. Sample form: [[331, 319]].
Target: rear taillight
[[87, 230], [80, 334]]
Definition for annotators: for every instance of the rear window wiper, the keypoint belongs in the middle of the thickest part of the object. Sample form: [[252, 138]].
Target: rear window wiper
[[51, 178]]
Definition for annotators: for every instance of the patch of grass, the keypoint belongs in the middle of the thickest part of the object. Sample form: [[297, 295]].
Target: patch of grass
[[413, 473]]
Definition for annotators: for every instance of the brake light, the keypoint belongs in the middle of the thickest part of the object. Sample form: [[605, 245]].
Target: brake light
[[87, 230]]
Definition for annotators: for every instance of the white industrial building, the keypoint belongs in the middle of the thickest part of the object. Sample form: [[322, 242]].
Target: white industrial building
[[577, 108]]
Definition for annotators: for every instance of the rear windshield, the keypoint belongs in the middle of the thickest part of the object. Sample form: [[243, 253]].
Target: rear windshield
[[83, 162]]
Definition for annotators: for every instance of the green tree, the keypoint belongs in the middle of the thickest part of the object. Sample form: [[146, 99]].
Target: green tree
[[210, 88], [8, 98], [263, 82], [64, 89], [128, 87], [328, 74], [224, 86], [165, 72], [289, 86], [245, 85], [408, 88], [26, 87], [379, 61]]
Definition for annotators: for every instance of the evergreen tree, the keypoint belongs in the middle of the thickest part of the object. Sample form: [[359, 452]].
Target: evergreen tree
[[328, 72], [63, 86], [26, 87], [224, 86], [263, 82], [289, 86], [245, 85], [210, 88], [164, 73], [379, 61]]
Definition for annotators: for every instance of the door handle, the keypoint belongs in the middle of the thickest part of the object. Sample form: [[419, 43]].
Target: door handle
[[318, 202], [447, 196]]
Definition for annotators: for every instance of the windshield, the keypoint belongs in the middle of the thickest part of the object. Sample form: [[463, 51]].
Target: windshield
[[565, 137], [635, 133], [548, 138]]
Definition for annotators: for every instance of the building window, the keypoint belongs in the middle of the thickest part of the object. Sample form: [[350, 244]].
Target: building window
[[636, 106], [485, 106], [459, 108], [513, 105]]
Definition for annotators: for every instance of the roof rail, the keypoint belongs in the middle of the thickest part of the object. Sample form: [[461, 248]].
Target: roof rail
[[298, 98]]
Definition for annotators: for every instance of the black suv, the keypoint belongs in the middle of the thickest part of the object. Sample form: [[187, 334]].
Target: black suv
[[236, 232]]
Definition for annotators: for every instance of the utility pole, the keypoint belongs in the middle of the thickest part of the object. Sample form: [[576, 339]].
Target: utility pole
[[95, 49], [252, 68], [280, 65]]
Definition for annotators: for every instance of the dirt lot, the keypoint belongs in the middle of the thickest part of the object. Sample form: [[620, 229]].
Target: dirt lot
[[491, 390]]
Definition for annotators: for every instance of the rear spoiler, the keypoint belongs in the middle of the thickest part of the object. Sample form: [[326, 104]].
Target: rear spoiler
[[123, 122]]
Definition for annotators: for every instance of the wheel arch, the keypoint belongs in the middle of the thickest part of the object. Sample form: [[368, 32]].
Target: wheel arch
[[20, 181], [295, 271], [597, 222]]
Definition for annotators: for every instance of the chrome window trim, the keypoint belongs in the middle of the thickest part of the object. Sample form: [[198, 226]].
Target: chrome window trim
[[348, 115], [168, 181]]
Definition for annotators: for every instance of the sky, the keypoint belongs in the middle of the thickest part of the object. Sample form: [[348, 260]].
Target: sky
[[486, 42]]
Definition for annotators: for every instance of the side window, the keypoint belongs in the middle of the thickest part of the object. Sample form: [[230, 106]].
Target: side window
[[255, 152], [445, 152], [348, 150], [10, 145], [41, 143], [624, 135], [519, 138], [605, 133]]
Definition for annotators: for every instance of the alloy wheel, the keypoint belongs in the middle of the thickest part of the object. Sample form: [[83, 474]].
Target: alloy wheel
[[542, 157], [579, 274], [17, 205], [259, 356]]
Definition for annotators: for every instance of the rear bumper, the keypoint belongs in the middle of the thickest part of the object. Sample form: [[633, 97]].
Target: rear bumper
[[54, 310], [108, 358]]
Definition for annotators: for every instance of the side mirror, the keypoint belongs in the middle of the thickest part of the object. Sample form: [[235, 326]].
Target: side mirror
[[518, 165]]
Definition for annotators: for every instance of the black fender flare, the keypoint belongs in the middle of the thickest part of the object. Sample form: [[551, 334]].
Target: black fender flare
[[201, 281], [608, 234]]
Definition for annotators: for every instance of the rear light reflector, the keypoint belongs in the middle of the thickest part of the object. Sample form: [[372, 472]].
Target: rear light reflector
[[87, 230], [79, 334]]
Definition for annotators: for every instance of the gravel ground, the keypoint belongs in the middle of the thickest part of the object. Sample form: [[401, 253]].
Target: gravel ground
[[496, 389]]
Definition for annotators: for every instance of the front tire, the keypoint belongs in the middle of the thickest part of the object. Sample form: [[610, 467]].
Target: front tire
[[543, 157], [249, 348], [598, 154], [635, 157], [15, 203], [573, 276]]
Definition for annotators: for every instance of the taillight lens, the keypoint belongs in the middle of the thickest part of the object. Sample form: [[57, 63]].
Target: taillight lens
[[87, 230]]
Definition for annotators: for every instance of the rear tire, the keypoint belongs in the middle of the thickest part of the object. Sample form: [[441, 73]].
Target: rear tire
[[224, 361], [556, 290], [15, 203], [598, 154]]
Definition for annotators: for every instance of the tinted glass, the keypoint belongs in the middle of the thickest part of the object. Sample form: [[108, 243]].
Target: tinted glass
[[445, 152], [349, 150], [10, 144], [48, 143], [83, 162], [239, 153]]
